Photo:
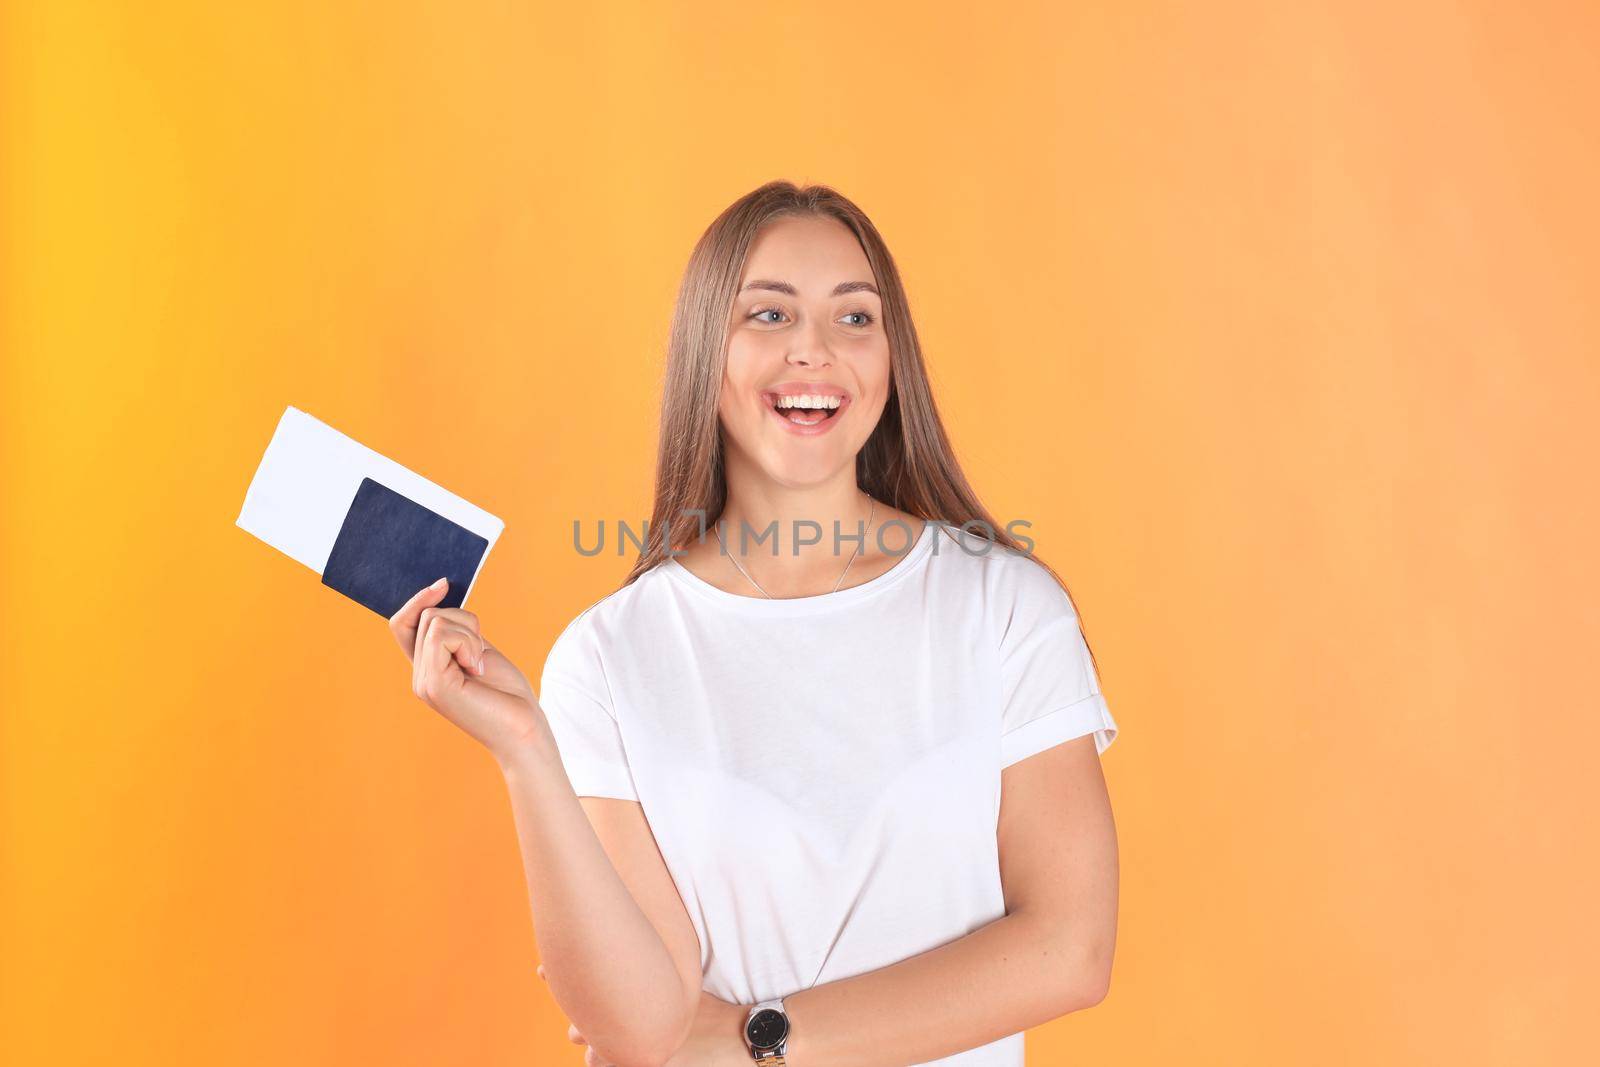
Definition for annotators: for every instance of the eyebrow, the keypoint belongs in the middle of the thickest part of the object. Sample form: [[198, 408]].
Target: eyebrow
[[786, 288]]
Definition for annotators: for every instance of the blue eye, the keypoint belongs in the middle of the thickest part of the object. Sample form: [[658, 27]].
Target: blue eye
[[865, 315]]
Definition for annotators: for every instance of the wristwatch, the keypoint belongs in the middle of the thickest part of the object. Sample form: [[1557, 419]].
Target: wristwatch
[[766, 1033]]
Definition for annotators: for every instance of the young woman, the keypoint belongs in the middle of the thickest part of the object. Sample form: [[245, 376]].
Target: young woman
[[836, 737]]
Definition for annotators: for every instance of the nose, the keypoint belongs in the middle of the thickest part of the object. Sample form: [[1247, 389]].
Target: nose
[[810, 349]]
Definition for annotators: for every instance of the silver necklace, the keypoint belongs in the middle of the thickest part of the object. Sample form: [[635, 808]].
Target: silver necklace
[[870, 512]]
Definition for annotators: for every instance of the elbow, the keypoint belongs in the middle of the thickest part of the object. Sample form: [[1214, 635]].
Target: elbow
[[609, 1059], [633, 1052], [1089, 977], [1092, 989], [654, 1059], [644, 1045]]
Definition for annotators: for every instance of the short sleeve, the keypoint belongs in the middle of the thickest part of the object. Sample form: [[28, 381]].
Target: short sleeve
[[573, 696], [1049, 690]]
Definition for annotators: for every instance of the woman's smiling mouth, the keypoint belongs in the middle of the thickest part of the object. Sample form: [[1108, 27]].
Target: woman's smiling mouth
[[806, 408]]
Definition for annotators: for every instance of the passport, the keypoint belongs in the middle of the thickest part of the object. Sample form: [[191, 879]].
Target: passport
[[374, 530], [389, 546]]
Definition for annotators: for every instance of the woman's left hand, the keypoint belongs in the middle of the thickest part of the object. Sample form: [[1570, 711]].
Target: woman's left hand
[[715, 1040]]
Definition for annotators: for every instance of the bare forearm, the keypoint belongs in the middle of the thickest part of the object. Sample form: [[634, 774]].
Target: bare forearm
[[1017, 972], [586, 922]]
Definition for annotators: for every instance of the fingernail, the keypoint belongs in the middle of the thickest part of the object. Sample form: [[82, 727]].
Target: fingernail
[[437, 584]]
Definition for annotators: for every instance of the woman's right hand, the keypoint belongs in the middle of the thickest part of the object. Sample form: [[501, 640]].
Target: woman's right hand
[[461, 676]]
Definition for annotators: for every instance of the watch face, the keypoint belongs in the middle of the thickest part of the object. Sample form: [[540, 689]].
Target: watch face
[[766, 1028]]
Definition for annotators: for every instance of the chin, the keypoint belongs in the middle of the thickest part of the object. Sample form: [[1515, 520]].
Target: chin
[[800, 471]]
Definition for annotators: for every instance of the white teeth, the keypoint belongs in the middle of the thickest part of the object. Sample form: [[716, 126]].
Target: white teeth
[[808, 401]]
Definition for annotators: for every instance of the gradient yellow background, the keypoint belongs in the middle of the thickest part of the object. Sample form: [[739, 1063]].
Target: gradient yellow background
[[1277, 320]]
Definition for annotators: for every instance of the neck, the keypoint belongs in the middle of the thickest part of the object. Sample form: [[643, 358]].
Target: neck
[[759, 507]]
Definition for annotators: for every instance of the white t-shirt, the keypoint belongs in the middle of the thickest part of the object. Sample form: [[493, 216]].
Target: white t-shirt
[[822, 774]]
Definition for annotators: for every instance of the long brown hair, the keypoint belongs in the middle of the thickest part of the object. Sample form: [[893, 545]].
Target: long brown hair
[[907, 462]]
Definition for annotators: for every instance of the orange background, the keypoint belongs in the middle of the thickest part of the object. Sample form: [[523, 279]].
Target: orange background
[[1277, 320]]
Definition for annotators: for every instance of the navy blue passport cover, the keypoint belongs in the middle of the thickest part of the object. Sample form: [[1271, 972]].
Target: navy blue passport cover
[[390, 547]]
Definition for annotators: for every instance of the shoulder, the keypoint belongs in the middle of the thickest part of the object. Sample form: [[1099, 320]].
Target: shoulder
[[1007, 579], [1012, 594], [579, 647]]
